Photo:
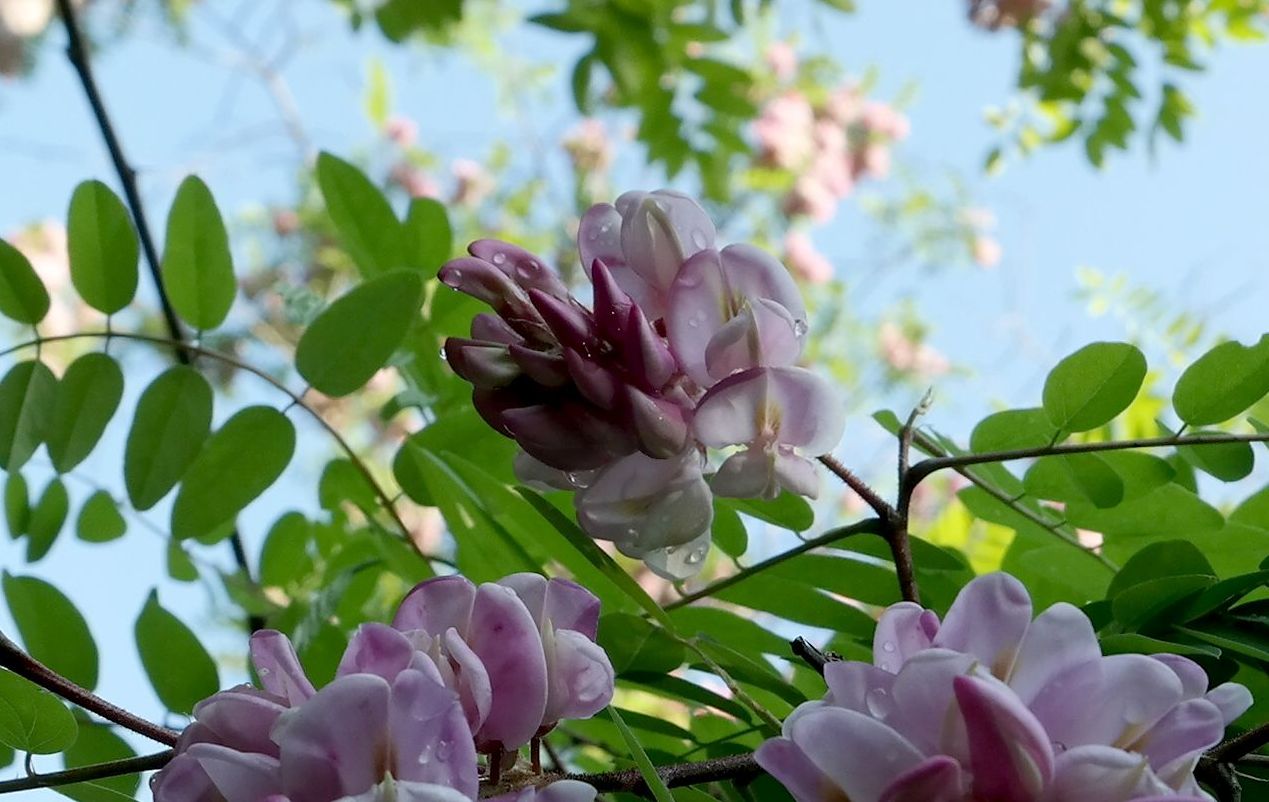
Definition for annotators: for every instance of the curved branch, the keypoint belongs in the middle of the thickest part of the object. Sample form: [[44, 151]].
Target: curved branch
[[96, 771], [1240, 746], [24, 665], [297, 399], [870, 525], [879, 505], [926, 467]]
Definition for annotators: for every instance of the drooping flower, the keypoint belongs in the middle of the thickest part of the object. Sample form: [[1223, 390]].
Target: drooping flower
[[607, 401], [393, 726], [990, 704]]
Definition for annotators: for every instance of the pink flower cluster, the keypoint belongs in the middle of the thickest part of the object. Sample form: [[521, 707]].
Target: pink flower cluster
[[992, 705], [828, 147], [993, 15], [462, 670], [685, 348]]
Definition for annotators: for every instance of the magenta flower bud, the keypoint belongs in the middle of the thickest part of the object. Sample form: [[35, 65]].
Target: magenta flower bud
[[612, 304], [484, 364], [547, 368], [567, 435], [647, 356], [659, 426], [494, 329], [994, 705], [596, 383], [567, 320], [522, 267]]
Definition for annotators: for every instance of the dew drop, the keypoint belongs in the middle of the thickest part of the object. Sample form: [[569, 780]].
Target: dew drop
[[888, 647], [499, 258], [695, 556], [263, 672], [605, 228], [878, 703], [699, 239], [443, 750], [452, 278], [444, 356], [800, 328]]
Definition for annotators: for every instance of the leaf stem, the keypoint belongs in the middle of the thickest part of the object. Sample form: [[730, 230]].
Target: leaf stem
[[96, 771], [24, 665], [1240, 746], [296, 399]]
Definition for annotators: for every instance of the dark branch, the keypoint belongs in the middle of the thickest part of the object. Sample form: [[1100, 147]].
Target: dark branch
[[879, 505], [1240, 746], [733, 768], [24, 665], [97, 771], [78, 55]]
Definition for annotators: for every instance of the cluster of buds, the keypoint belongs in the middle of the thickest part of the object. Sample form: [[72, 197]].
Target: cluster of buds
[[829, 147], [685, 348], [989, 704], [463, 670], [992, 15]]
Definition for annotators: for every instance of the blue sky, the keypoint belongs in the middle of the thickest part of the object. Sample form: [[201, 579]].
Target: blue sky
[[1190, 223]]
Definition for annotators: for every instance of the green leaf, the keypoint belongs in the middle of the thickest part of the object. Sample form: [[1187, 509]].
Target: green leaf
[[1225, 593], [103, 248], [340, 351], [729, 531], [87, 398], [284, 558], [1168, 558], [1075, 477], [47, 517], [634, 644], [786, 510], [17, 505], [98, 743], [1228, 462], [52, 630], [239, 462], [22, 295], [99, 519], [1137, 606], [597, 556], [172, 421], [429, 239], [198, 270], [179, 565], [32, 719], [27, 394], [649, 772], [1222, 383], [179, 668], [1091, 386], [366, 223], [1012, 429], [1134, 643]]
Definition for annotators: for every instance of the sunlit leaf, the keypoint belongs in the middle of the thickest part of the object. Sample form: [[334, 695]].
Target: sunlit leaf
[[22, 295], [27, 394], [17, 505], [178, 666], [87, 398], [1223, 382], [238, 462], [47, 517], [32, 719], [52, 629], [198, 270], [98, 743], [103, 248], [172, 420], [366, 223], [648, 771], [99, 519], [354, 337], [1091, 386]]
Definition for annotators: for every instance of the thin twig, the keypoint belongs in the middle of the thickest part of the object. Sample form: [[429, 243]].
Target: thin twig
[[24, 665], [879, 505], [733, 768], [296, 399], [870, 525], [732, 685], [77, 53], [96, 771], [926, 467], [1240, 746]]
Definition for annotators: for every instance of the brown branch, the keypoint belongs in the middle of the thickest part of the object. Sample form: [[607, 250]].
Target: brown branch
[[96, 771], [77, 53], [1241, 745], [879, 505], [733, 768], [24, 665]]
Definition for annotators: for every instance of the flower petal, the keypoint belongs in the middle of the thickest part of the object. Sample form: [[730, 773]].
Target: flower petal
[[238, 776], [659, 230], [435, 605], [922, 702], [483, 364], [938, 779], [857, 686], [1097, 773], [762, 334], [647, 503], [240, 718], [1232, 699], [580, 675], [336, 743], [683, 561], [1060, 637], [524, 268], [430, 738], [988, 620], [785, 760], [749, 473], [568, 605], [471, 679], [278, 667], [700, 303], [505, 638], [1173, 745], [376, 649], [599, 236], [792, 406], [904, 629], [858, 753], [183, 780], [1193, 677], [1010, 756], [753, 273]]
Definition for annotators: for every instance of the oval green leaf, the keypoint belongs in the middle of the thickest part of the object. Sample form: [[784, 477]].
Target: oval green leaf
[[103, 248], [1093, 385], [98, 743], [27, 394], [429, 238], [87, 398], [238, 463], [17, 505], [179, 668], [52, 629], [99, 519], [22, 294], [47, 517], [354, 336], [172, 421], [366, 223], [32, 719], [179, 565], [1012, 429], [1228, 462], [198, 270], [1222, 383], [1075, 478]]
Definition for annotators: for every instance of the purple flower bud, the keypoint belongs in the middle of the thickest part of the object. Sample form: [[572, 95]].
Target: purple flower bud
[[567, 320], [484, 364]]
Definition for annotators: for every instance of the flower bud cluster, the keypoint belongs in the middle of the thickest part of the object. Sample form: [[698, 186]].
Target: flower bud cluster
[[989, 704], [463, 670], [686, 347]]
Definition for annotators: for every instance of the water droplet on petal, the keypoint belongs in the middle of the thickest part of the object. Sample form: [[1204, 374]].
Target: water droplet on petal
[[452, 278], [888, 647], [878, 703], [695, 556], [800, 328], [263, 672], [499, 258], [699, 239], [444, 356]]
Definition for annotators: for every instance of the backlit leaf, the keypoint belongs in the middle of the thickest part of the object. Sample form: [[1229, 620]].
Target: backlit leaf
[[99, 519], [172, 420], [32, 719], [1091, 386], [1222, 383], [178, 666], [52, 629], [22, 294], [87, 398], [198, 270], [103, 248], [27, 394]]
